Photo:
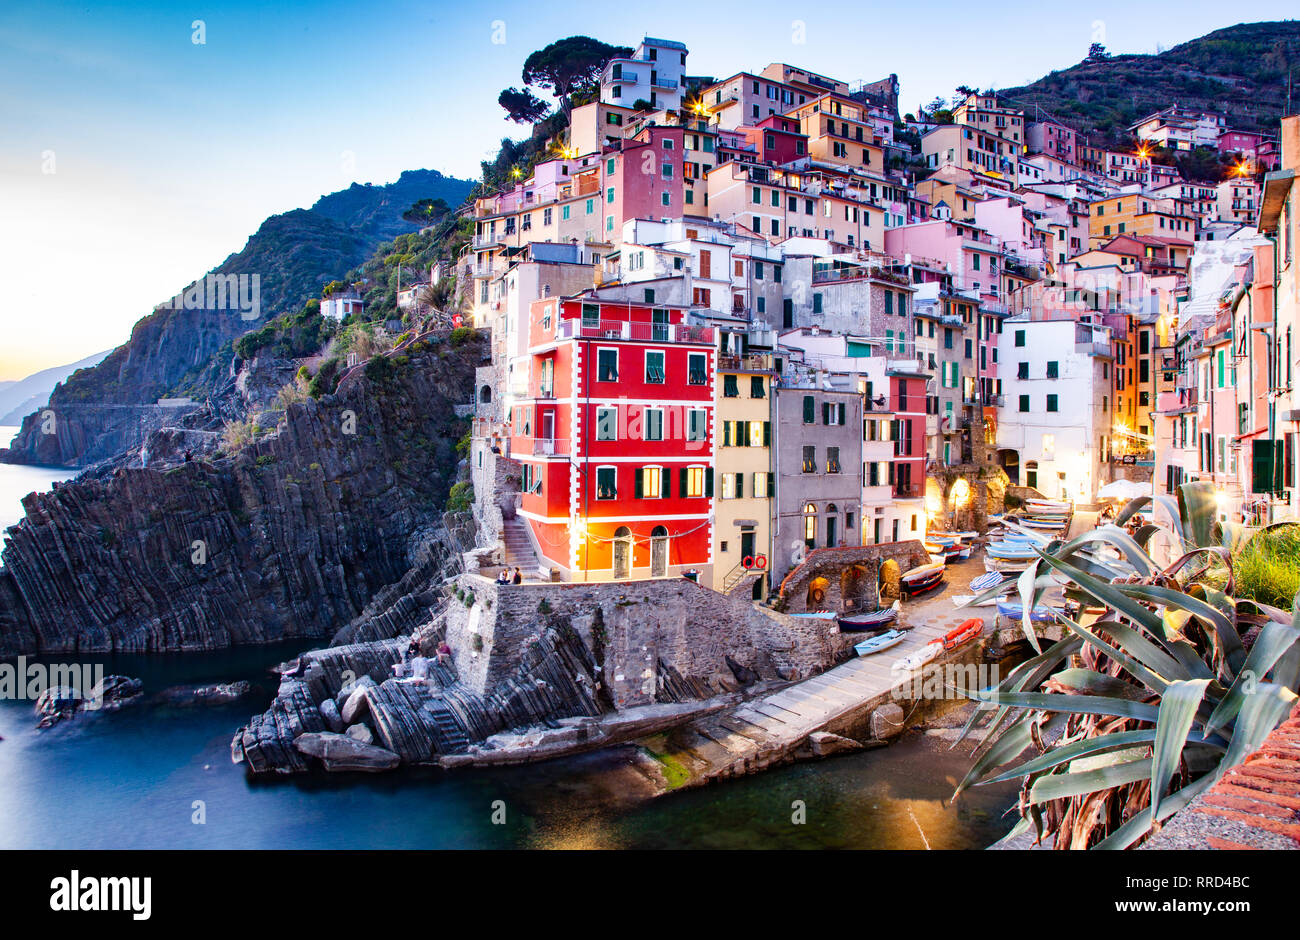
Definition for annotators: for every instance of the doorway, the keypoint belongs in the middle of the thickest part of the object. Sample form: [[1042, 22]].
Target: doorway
[[659, 552], [746, 544], [623, 552]]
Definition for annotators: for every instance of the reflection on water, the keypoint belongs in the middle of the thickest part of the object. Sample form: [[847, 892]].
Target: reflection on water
[[137, 779]]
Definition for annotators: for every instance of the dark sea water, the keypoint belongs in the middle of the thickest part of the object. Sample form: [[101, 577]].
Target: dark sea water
[[140, 778]]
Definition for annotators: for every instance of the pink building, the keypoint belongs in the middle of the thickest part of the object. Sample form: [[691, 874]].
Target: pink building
[[971, 256], [1055, 140], [777, 139], [643, 179]]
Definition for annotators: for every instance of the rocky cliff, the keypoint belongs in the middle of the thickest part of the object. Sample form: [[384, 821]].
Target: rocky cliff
[[291, 536]]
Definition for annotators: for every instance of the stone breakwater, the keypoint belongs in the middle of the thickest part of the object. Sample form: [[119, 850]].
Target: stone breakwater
[[521, 656], [293, 536]]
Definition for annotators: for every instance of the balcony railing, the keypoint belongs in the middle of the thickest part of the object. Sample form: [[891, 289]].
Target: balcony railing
[[575, 328], [751, 363], [549, 447]]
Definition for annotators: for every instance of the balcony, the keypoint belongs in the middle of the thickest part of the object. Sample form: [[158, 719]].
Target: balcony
[[549, 447], [575, 328], [757, 362]]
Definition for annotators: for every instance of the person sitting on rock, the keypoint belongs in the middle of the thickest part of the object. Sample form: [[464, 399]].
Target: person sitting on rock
[[504, 576], [519, 577], [444, 652]]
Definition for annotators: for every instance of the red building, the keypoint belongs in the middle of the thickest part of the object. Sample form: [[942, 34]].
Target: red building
[[777, 139], [616, 439]]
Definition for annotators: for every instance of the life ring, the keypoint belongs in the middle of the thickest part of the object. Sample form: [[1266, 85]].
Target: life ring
[[747, 562], [760, 562]]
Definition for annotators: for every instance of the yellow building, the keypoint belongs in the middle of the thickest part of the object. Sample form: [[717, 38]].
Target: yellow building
[[742, 535], [1140, 214]]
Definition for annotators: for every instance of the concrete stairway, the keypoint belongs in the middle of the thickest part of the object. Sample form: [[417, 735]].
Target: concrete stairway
[[518, 550]]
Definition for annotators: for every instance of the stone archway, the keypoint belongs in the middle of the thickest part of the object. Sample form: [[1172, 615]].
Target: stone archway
[[890, 585], [817, 589], [855, 588], [1009, 461]]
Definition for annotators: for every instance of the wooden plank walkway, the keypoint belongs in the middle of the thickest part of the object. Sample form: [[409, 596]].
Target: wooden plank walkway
[[765, 730]]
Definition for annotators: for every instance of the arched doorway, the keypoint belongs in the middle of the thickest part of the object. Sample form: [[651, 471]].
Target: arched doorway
[[1009, 461], [853, 586], [485, 394], [832, 525], [1031, 474], [816, 599], [810, 525], [658, 552], [889, 579], [623, 552]]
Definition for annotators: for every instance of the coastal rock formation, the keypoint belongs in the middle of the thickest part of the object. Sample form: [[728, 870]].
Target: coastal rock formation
[[109, 694], [293, 536]]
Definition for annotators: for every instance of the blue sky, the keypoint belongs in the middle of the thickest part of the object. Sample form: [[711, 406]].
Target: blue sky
[[133, 158]]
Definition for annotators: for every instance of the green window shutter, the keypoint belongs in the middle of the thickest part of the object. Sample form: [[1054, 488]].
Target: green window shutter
[[740, 486], [637, 476], [809, 407], [726, 433], [681, 481], [708, 482], [843, 413], [826, 412], [771, 484], [767, 433], [665, 483]]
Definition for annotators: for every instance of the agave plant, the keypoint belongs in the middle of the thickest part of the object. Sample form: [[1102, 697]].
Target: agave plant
[[1135, 711]]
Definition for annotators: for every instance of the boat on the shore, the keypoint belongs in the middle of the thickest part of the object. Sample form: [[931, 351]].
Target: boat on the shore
[[986, 581], [881, 641], [857, 623], [967, 631], [1010, 551], [1016, 611], [1043, 523], [1049, 505], [922, 579], [918, 658]]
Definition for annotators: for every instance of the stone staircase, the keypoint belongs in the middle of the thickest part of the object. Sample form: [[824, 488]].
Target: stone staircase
[[518, 551]]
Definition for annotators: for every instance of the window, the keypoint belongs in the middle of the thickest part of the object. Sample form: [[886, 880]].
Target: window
[[606, 483], [762, 488], [1020, 337], [1024, 403], [696, 373], [590, 316], [652, 483], [809, 459], [606, 424], [697, 424], [1051, 403], [832, 460], [1022, 370], [1053, 370], [730, 388], [809, 410], [810, 525], [654, 424], [733, 486], [817, 303], [607, 365], [654, 367], [692, 481], [757, 389]]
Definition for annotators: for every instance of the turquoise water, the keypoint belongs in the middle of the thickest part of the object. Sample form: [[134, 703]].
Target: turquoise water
[[131, 779]]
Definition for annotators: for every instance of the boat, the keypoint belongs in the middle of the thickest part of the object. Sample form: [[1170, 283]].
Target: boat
[[1042, 524], [1051, 505], [1007, 565], [964, 600], [1016, 611], [913, 588], [922, 571], [1007, 552], [918, 658], [986, 581], [855, 623], [964, 633], [881, 641]]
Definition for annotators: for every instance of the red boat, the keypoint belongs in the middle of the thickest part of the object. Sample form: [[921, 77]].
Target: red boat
[[963, 634]]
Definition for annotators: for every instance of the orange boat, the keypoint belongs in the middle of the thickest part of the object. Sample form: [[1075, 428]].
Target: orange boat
[[968, 631]]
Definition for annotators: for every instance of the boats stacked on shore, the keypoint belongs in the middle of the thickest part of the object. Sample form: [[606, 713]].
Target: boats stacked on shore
[[944, 547]]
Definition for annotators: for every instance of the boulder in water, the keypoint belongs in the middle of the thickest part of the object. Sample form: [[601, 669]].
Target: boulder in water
[[218, 694], [339, 752]]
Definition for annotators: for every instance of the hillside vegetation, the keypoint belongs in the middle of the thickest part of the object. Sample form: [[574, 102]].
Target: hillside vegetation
[[1240, 71]]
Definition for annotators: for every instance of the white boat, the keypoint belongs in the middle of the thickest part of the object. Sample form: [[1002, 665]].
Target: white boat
[[922, 571], [918, 658], [1050, 505], [880, 642], [964, 600]]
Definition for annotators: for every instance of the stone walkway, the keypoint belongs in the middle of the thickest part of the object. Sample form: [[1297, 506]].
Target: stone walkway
[[769, 729]]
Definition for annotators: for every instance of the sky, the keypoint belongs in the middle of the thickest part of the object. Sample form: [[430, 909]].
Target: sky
[[141, 143]]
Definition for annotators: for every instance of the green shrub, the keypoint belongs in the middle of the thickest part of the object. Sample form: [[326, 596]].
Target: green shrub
[[1268, 568], [460, 498]]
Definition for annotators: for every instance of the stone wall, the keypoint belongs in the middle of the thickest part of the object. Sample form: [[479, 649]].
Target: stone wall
[[496, 490], [851, 594], [644, 634]]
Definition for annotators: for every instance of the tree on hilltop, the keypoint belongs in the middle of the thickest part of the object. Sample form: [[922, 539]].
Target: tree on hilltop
[[522, 106], [569, 65]]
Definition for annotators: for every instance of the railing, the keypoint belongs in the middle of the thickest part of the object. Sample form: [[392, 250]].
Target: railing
[[549, 447], [575, 328], [752, 362]]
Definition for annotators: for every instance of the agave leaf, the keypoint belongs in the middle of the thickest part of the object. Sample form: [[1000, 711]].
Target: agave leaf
[[1140, 824], [1270, 646], [1010, 743], [1235, 536], [1174, 621], [1025, 584], [1170, 506], [1143, 535], [1107, 594], [1067, 752], [1029, 674], [1191, 661], [1138, 559], [1095, 683], [1144, 660], [1061, 786], [1287, 671], [1261, 712], [1234, 653], [1178, 705], [1072, 704], [1197, 504]]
